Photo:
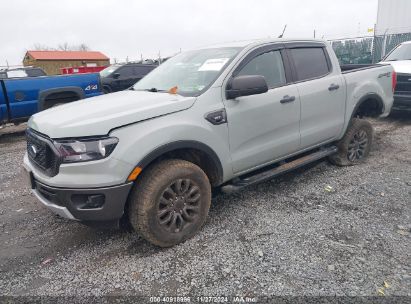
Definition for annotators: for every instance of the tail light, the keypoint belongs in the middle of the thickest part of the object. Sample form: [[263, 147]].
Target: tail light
[[394, 80]]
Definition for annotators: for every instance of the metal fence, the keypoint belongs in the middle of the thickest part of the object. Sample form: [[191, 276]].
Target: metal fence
[[369, 49]]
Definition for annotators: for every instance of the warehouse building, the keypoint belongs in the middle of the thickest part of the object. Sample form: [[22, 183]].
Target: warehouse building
[[393, 17], [53, 61]]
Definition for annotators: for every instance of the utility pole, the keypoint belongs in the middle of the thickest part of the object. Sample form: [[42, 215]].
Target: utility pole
[[314, 34]]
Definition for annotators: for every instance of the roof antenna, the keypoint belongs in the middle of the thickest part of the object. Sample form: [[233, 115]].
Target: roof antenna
[[282, 34]]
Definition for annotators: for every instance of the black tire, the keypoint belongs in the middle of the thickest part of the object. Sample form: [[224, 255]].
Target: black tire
[[169, 202], [355, 146], [107, 90], [57, 104], [51, 105]]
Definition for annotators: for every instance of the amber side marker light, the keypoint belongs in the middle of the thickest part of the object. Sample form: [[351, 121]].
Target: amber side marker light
[[173, 90], [133, 175]]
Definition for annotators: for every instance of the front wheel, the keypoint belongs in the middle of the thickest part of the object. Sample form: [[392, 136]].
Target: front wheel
[[170, 202], [355, 146]]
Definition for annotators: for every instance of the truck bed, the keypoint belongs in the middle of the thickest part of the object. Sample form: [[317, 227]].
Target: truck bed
[[349, 68], [373, 82], [22, 97]]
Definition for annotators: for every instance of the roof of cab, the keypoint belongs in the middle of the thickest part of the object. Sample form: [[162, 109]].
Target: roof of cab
[[255, 42]]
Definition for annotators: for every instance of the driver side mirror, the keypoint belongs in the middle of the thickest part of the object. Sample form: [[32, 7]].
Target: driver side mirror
[[116, 75], [245, 86]]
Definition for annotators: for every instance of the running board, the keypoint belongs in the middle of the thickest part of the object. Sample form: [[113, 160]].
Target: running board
[[240, 183]]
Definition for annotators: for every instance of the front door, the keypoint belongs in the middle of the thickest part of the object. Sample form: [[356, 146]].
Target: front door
[[264, 127]]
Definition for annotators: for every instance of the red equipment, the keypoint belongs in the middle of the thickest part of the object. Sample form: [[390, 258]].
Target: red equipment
[[82, 70]]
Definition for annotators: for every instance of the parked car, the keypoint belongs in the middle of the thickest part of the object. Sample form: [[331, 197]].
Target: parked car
[[22, 72], [227, 116], [22, 97], [119, 77], [400, 59]]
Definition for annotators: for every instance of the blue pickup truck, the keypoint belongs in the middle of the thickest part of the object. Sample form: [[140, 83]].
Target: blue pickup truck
[[22, 97]]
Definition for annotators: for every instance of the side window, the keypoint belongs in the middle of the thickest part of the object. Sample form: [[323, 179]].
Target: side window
[[270, 65], [126, 71], [310, 62], [141, 70], [35, 72]]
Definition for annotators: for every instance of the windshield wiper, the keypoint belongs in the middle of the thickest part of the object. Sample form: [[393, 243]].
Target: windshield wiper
[[154, 90]]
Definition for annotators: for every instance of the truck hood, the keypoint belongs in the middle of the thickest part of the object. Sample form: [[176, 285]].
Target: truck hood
[[402, 66], [99, 115]]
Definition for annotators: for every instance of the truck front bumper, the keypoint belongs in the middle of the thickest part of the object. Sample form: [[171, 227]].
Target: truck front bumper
[[83, 204]]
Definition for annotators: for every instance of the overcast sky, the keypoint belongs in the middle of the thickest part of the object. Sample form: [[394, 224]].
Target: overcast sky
[[121, 28]]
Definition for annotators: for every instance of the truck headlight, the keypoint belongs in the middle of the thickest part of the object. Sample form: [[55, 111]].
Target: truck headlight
[[81, 150]]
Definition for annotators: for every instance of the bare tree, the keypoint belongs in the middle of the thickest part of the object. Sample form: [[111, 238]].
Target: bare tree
[[41, 47], [64, 47], [61, 47], [83, 47]]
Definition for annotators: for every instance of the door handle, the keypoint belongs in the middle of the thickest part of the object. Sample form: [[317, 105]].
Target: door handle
[[287, 98], [333, 87]]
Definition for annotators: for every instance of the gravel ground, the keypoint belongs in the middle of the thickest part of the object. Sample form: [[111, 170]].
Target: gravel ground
[[288, 236]]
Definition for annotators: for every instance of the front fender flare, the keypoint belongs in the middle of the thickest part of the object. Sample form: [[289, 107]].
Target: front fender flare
[[184, 144]]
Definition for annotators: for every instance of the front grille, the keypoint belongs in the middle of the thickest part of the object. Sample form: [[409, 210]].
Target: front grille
[[42, 153], [403, 83]]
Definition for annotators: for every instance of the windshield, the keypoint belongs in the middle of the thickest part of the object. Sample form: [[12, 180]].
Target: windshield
[[190, 72], [107, 71], [401, 52]]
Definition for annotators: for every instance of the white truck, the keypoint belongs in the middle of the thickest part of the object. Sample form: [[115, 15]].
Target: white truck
[[226, 116], [400, 59]]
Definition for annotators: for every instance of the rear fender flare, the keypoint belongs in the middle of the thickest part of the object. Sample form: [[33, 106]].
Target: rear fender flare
[[44, 94], [368, 96]]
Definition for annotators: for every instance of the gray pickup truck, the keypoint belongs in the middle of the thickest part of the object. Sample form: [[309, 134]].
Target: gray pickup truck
[[225, 117]]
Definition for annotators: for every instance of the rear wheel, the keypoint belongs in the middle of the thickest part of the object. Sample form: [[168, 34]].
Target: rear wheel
[[355, 146], [170, 202], [57, 104], [107, 90]]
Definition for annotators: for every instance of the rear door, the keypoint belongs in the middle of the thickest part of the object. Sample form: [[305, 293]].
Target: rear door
[[264, 127], [322, 93], [21, 94]]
